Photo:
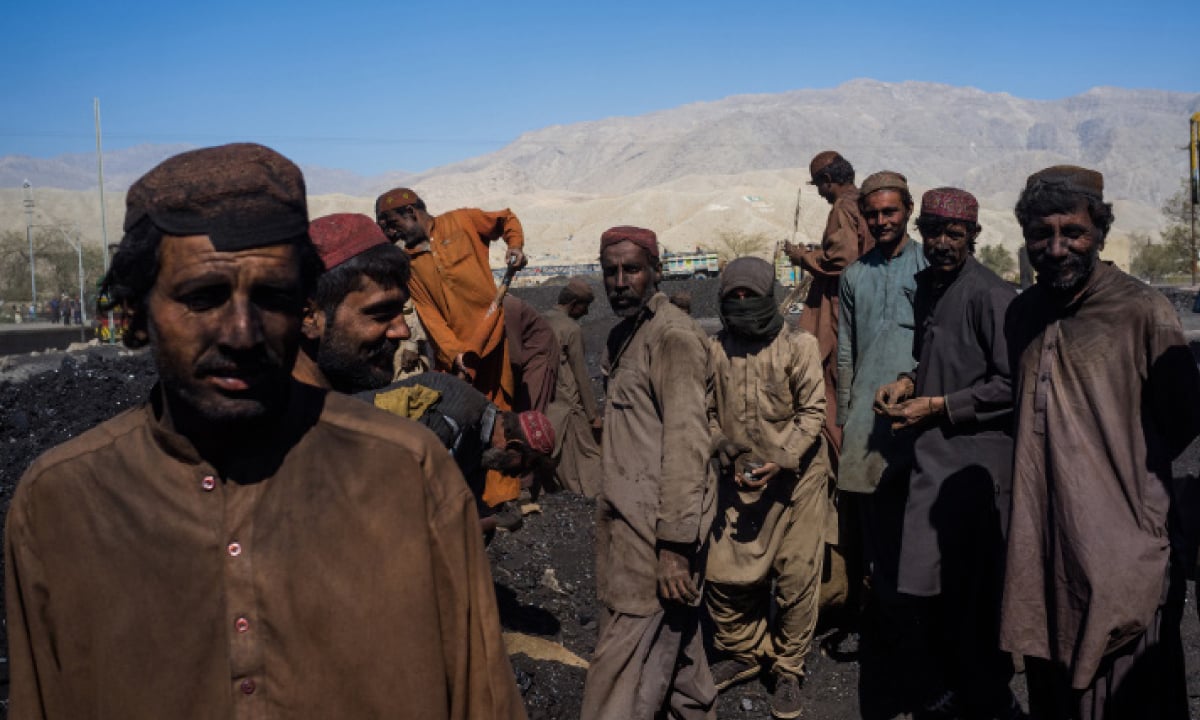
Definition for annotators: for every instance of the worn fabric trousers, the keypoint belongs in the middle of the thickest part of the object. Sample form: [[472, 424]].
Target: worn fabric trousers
[[578, 455], [649, 667], [741, 611], [1142, 680]]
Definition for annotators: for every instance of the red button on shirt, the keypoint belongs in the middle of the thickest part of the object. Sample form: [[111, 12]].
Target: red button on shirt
[[235, 549], [208, 483], [242, 625], [247, 687]]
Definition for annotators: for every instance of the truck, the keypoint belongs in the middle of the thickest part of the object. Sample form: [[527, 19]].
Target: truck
[[699, 265]]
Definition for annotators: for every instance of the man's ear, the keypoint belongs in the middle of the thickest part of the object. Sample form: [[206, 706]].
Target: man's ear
[[313, 325], [657, 272]]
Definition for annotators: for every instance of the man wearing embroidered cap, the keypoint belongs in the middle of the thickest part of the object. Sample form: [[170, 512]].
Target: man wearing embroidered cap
[[354, 322], [656, 502], [573, 410], [1107, 395], [957, 404], [452, 287], [229, 548]]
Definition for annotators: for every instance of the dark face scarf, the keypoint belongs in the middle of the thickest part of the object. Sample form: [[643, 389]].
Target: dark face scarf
[[754, 317]]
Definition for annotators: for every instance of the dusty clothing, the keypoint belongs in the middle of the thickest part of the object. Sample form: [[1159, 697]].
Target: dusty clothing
[[573, 410], [142, 584], [1107, 394], [844, 240], [769, 396], [672, 678], [875, 340], [414, 355], [461, 417], [1145, 679], [533, 354], [657, 486], [963, 462], [452, 288]]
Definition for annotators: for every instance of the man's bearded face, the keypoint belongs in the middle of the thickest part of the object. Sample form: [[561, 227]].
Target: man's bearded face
[[1063, 248]]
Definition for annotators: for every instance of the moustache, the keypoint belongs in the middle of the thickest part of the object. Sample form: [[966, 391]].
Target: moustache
[[240, 365]]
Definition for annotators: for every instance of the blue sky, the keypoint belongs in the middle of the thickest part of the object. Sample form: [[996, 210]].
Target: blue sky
[[378, 86]]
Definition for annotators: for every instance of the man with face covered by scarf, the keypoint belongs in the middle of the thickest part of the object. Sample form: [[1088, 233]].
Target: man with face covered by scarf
[[766, 416], [1107, 395]]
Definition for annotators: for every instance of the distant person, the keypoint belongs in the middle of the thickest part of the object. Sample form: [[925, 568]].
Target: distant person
[[957, 404], [452, 287], [844, 239], [1107, 395], [243, 544], [682, 299], [573, 411], [656, 503], [766, 415], [533, 354]]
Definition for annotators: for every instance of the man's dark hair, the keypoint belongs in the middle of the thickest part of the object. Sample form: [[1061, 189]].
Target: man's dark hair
[[1048, 198], [566, 296], [134, 270], [840, 172], [385, 264]]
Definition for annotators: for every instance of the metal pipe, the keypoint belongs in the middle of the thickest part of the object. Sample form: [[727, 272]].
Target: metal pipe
[[1194, 161]]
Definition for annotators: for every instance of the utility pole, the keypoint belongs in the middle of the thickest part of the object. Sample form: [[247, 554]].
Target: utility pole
[[28, 202], [103, 221], [1194, 157]]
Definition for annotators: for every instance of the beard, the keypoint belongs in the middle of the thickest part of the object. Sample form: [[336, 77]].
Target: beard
[[625, 304], [1067, 275], [349, 368]]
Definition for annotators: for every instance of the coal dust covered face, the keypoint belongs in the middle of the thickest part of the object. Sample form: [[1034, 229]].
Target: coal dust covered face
[[359, 343], [630, 277], [225, 328], [946, 242], [1063, 248]]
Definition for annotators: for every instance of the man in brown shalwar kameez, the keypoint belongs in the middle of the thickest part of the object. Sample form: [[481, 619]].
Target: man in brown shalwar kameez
[[657, 499], [1107, 395], [766, 414], [239, 546], [845, 239], [532, 354], [573, 411]]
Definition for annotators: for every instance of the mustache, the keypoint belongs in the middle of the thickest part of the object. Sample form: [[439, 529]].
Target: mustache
[[253, 362]]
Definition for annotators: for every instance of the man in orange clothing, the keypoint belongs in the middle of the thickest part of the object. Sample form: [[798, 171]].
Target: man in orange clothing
[[452, 287]]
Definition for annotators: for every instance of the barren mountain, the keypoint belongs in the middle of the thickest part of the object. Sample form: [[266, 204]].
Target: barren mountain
[[735, 164]]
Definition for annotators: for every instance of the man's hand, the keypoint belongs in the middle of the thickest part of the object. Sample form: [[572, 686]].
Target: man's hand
[[675, 574], [459, 368], [891, 394], [914, 411], [516, 257], [794, 252], [759, 477], [598, 428], [727, 451]]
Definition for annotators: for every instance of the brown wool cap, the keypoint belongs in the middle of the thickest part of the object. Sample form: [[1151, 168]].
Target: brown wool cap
[[342, 236], [241, 196], [821, 161], [751, 273], [581, 290], [1073, 177], [950, 203], [883, 180], [646, 239], [395, 198]]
